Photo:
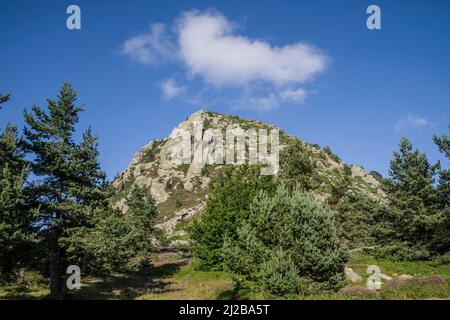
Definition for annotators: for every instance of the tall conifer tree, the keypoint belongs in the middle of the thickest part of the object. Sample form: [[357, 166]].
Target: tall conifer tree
[[413, 198], [441, 242], [69, 185], [15, 215]]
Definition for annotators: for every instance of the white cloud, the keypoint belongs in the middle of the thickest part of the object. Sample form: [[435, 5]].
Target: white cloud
[[263, 103], [293, 95], [410, 120], [151, 47], [275, 99], [210, 48], [170, 89]]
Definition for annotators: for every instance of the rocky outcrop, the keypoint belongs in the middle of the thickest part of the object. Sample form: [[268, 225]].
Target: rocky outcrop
[[180, 189]]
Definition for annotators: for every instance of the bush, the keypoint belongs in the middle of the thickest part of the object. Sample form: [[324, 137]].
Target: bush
[[377, 176], [205, 170], [149, 154], [401, 251], [331, 154], [228, 204], [347, 170], [178, 203], [442, 259], [289, 244]]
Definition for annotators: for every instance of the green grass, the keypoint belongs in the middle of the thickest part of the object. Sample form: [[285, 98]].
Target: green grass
[[426, 284], [188, 284], [430, 281], [184, 237], [360, 261], [188, 272], [30, 285], [19, 292], [173, 277]]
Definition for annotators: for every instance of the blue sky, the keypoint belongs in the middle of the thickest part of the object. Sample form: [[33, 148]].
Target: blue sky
[[311, 67]]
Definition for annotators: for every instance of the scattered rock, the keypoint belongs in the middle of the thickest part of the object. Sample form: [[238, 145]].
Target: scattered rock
[[121, 205], [158, 192], [141, 181], [385, 276], [179, 243], [405, 277], [352, 275]]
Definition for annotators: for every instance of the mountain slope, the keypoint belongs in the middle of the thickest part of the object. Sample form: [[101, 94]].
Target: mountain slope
[[180, 190]]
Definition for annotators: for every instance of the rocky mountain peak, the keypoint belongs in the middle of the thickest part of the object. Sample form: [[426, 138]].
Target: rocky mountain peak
[[180, 189]]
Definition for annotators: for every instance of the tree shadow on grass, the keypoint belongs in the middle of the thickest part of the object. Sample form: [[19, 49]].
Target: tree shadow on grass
[[17, 292], [128, 286], [236, 293]]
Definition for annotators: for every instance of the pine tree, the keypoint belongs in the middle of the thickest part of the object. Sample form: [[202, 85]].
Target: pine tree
[[297, 166], [355, 215], [11, 150], [441, 243], [141, 205], [69, 184], [227, 205], [120, 241], [288, 244], [16, 234], [141, 217], [443, 143], [413, 200]]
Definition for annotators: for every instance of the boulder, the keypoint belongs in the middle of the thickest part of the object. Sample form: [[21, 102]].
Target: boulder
[[352, 275]]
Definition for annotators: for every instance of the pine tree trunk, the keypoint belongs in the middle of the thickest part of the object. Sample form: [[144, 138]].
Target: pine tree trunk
[[56, 289], [6, 274]]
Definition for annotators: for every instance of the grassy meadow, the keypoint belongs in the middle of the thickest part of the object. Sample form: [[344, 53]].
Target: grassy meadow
[[172, 277]]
